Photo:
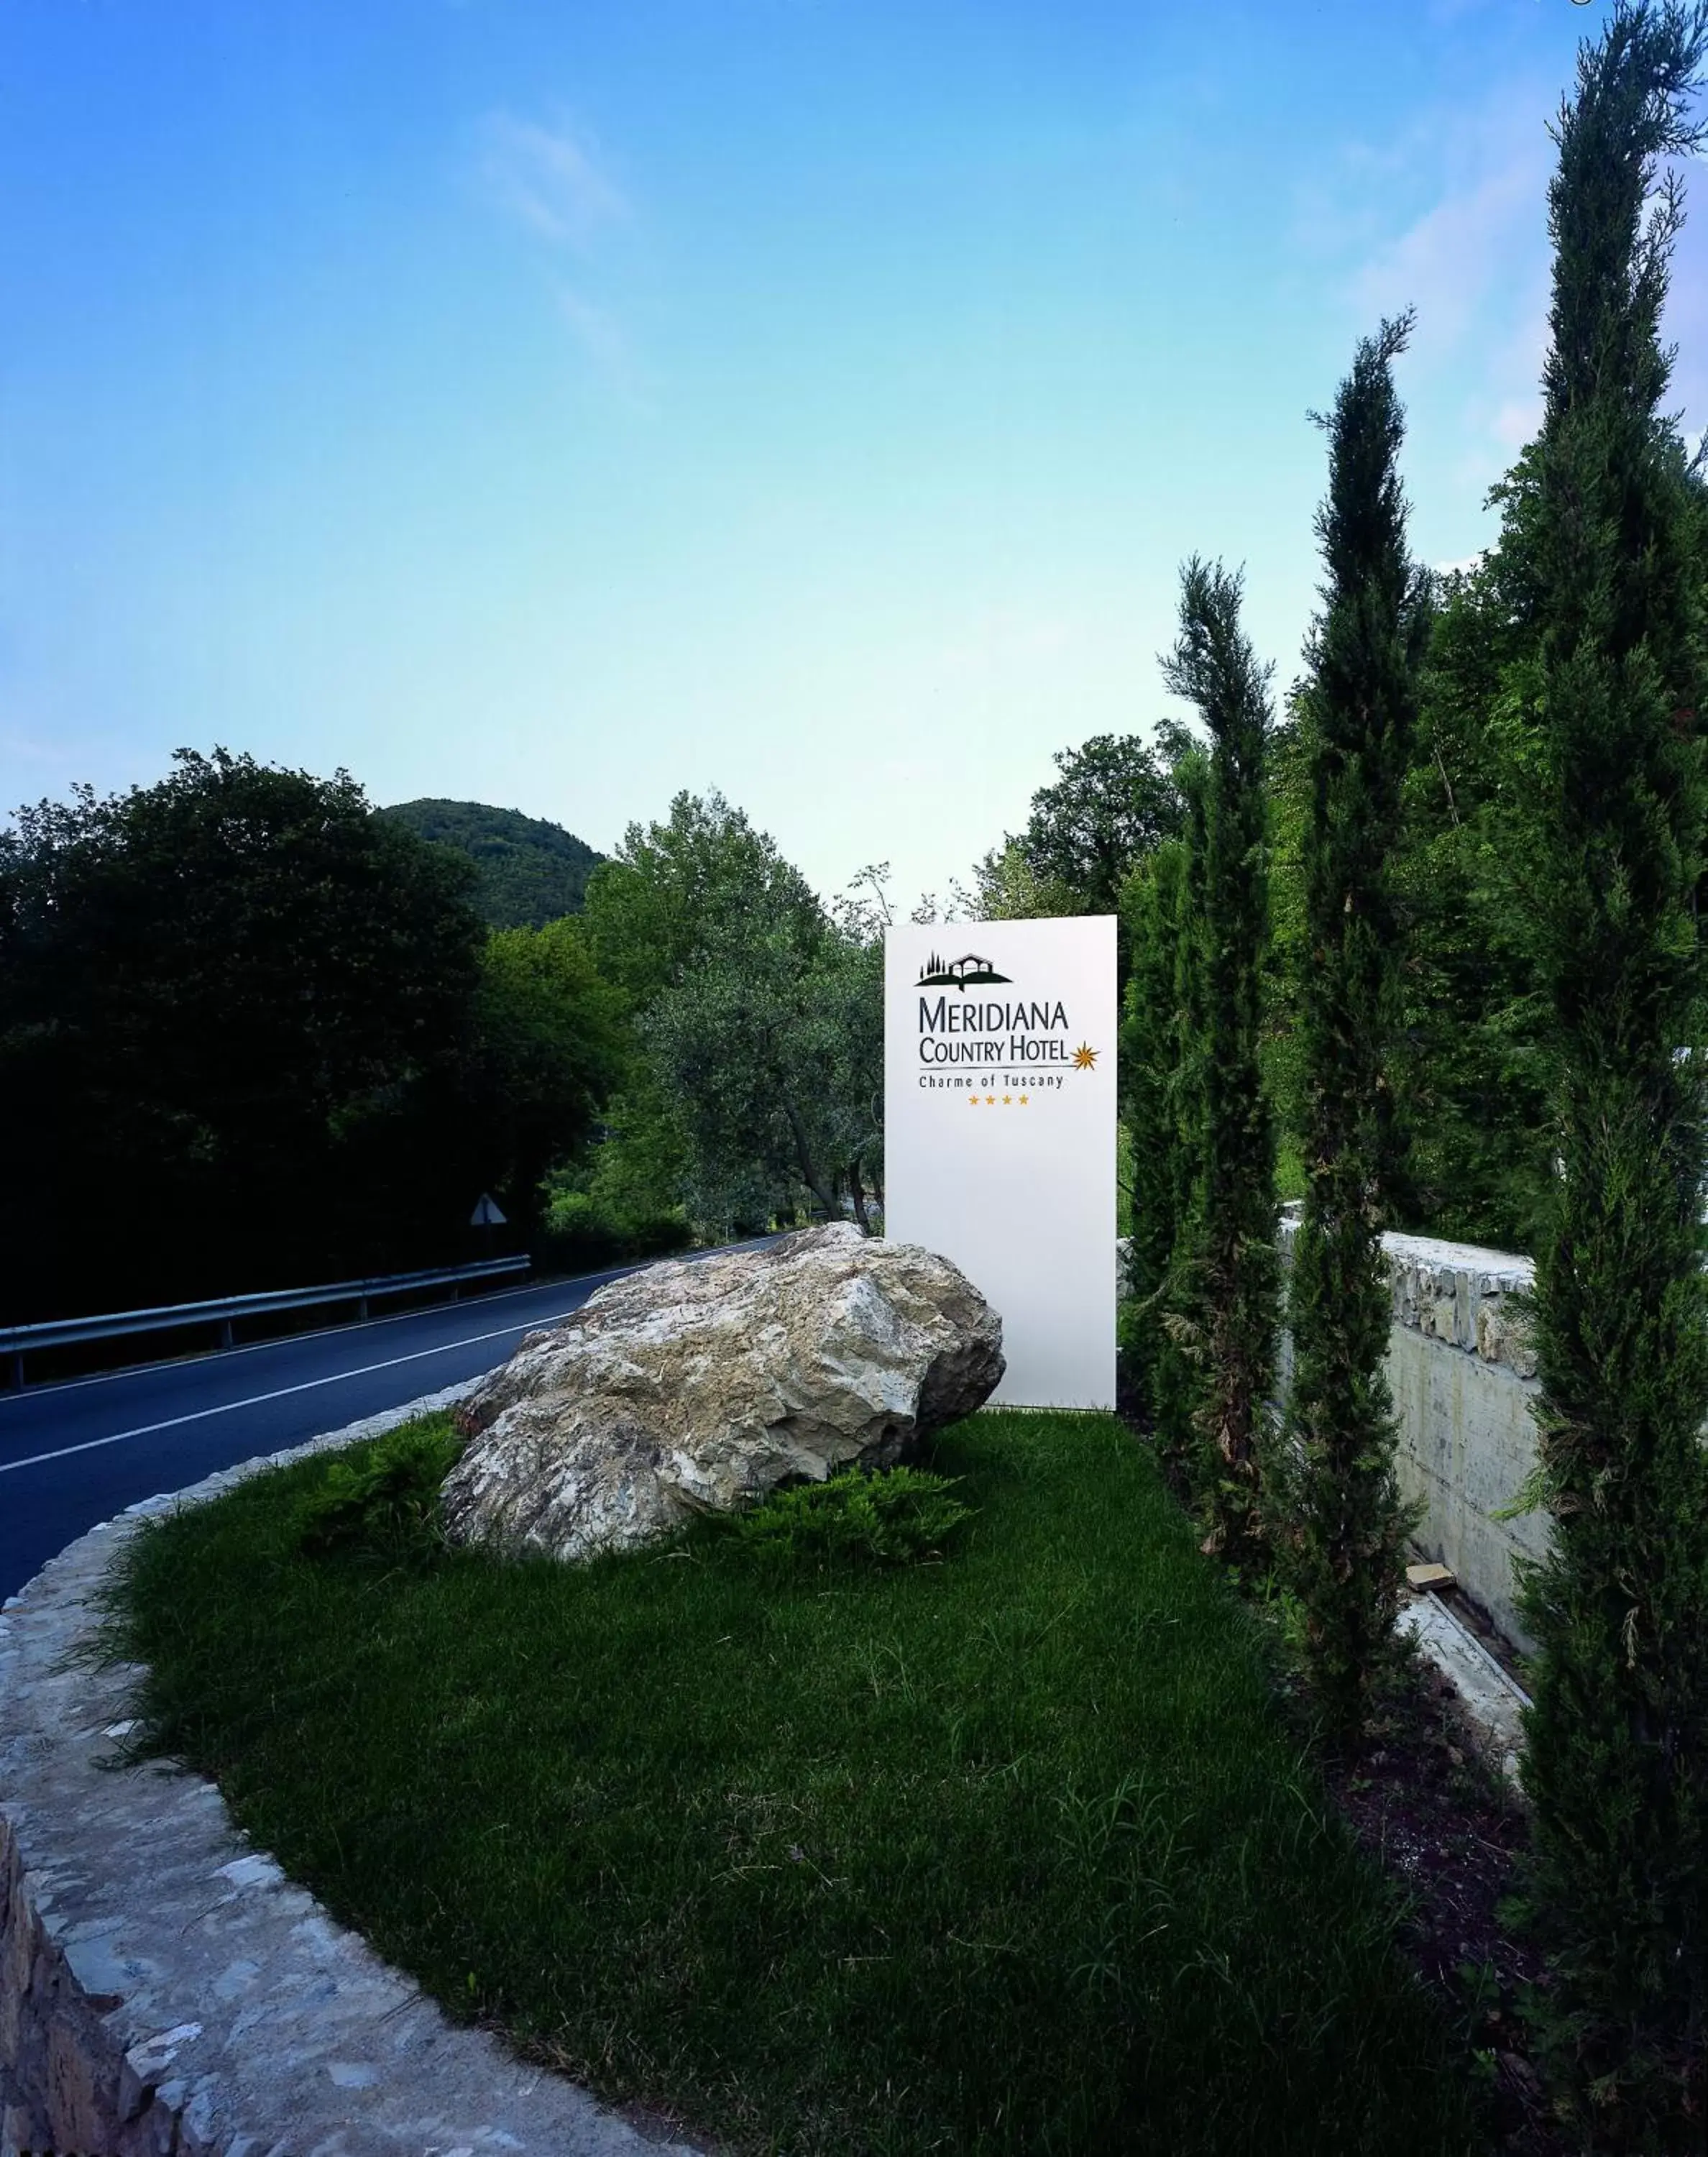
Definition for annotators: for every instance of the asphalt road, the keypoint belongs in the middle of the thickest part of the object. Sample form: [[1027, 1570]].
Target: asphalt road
[[76, 1453]]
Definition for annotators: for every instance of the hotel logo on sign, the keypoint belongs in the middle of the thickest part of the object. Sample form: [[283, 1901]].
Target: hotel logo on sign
[[992, 1045], [969, 972]]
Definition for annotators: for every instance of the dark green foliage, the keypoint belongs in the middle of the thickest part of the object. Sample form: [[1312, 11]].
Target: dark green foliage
[[1010, 1856], [528, 872], [1469, 1066], [261, 1039], [548, 1045], [895, 1518], [1616, 1763], [381, 1499], [670, 885], [585, 1232], [758, 1026], [772, 1045], [1339, 1524], [1162, 1104], [1234, 1255], [1112, 806], [1150, 1065], [1182, 1378], [234, 1008], [1280, 1050]]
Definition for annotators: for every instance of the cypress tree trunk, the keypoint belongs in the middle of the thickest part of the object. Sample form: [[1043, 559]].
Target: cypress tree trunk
[[1340, 1526], [1236, 1260], [1616, 1761]]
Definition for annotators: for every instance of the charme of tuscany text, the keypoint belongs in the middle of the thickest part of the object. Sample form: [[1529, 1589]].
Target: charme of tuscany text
[[944, 1017]]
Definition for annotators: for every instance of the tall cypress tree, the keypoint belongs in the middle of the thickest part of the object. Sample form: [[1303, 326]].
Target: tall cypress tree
[[1181, 1354], [1616, 1758], [1212, 666], [1149, 1062], [1339, 1524]]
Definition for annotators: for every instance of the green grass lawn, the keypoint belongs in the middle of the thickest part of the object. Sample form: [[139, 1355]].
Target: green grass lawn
[[1009, 1852]]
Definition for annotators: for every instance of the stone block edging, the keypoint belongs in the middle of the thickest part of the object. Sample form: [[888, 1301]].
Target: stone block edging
[[165, 1991], [1453, 1293]]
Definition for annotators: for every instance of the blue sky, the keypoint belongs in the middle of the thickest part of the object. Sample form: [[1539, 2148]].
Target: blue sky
[[558, 407]]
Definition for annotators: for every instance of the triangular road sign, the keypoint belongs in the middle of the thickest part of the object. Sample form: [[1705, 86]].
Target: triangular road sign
[[488, 1214]]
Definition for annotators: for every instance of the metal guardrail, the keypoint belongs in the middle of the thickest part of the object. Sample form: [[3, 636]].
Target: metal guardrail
[[17, 1341]]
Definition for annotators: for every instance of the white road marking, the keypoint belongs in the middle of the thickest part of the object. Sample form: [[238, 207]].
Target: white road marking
[[254, 1400]]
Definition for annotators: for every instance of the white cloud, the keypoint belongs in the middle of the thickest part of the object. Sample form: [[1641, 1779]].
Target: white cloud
[[604, 341], [1473, 257], [1469, 249], [551, 179], [1476, 248]]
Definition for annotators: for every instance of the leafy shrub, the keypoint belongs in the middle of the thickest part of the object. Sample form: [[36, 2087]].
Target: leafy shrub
[[582, 1233], [895, 1518], [381, 1500]]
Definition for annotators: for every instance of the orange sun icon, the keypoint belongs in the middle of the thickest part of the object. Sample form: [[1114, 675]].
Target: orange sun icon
[[1084, 1058]]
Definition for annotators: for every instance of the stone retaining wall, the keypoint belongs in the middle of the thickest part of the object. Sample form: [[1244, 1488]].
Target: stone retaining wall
[[1462, 1377], [165, 1991]]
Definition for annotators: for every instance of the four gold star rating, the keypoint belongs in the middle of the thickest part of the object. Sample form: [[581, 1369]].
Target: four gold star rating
[[1084, 1059]]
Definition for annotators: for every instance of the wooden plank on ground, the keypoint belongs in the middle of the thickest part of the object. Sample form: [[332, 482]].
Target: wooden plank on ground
[[1428, 1576]]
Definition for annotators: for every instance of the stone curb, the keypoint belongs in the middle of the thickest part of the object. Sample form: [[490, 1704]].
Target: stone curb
[[165, 1991], [1492, 1703]]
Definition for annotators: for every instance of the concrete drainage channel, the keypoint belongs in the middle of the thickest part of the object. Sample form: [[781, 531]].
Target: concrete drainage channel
[[1492, 1703], [165, 1991]]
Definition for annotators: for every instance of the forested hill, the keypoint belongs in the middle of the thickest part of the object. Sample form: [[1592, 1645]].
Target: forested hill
[[532, 871]]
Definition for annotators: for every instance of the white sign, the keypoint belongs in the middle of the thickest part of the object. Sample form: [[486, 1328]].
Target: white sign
[[999, 1134]]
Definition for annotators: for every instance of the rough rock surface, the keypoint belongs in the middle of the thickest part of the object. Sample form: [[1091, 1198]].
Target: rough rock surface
[[699, 1386]]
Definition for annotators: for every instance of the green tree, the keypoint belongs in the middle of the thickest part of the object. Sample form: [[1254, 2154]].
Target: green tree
[[651, 910], [1149, 1068], [1164, 1050], [234, 1011], [1617, 1756], [850, 1000], [1466, 1065], [1286, 793], [1235, 1259], [758, 1019], [528, 872], [1007, 887], [1339, 1525], [1468, 1068], [548, 1043], [773, 1044], [649, 913], [1112, 804]]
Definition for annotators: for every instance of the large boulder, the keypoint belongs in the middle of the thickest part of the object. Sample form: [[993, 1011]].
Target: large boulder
[[699, 1386]]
